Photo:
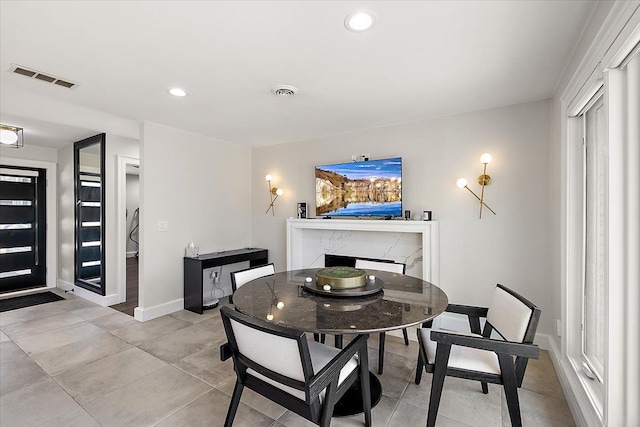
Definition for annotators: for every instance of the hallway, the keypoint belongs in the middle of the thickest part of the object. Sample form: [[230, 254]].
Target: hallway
[[131, 303]]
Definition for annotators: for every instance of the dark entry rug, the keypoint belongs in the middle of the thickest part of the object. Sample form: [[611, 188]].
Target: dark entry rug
[[28, 300]]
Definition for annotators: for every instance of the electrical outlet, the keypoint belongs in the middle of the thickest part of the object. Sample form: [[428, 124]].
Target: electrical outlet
[[559, 327], [214, 276]]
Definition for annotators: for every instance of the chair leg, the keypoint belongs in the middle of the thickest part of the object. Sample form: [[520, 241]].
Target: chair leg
[[365, 386], [437, 382], [510, 388], [381, 354], [406, 336], [338, 341], [328, 404], [233, 405], [419, 368], [485, 387]]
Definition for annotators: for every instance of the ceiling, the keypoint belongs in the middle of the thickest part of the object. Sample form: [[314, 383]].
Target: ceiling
[[422, 59]]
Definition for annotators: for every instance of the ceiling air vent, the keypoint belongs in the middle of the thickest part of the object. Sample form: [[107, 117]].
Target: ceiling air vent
[[284, 91], [27, 72]]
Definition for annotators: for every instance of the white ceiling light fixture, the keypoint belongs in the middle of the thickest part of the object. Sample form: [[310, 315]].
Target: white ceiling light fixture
[[360, 21], [176, 91], [284, 91], [11, 136]]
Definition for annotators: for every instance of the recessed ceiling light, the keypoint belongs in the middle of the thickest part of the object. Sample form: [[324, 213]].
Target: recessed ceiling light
[[360, 21], [176, 91]]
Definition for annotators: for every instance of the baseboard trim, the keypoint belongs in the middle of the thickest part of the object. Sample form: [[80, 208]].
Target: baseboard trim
[[584, 413], [149, 313], [104, 301]]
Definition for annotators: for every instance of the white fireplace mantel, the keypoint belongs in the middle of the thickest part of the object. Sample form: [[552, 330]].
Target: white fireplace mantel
[[414, 243]]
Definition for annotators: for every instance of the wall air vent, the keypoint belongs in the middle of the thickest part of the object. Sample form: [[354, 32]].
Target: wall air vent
[[27, 72]]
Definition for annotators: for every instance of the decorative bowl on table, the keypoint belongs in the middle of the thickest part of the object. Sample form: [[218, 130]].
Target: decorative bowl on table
[[343, 281]]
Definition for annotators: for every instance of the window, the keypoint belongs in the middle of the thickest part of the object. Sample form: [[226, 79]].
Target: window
[[594, 238]]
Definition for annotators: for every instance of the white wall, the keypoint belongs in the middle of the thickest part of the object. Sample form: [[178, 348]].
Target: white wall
[[201, 186], [511, 248], [29, 152]]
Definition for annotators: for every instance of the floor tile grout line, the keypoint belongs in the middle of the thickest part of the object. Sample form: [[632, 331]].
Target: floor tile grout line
[[82, 404], [36, 318], [150, 339], [185, 405], [45, 331]]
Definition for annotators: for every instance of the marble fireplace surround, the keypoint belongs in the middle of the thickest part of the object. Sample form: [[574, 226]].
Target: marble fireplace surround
[[414, 243]]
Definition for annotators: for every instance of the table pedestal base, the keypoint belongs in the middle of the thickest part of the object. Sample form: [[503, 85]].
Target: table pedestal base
[[351, 402]]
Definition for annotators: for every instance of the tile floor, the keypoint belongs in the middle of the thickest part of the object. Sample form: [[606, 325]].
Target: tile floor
[[73, 363]]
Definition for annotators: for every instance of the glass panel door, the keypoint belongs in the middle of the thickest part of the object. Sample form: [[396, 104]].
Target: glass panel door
[[22, 228]]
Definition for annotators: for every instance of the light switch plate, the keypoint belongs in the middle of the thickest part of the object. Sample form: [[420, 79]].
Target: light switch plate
[[163, 225]]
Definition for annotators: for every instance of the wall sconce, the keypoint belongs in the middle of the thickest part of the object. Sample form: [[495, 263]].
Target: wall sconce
[[274, 192], [483, 180], [11, 136]]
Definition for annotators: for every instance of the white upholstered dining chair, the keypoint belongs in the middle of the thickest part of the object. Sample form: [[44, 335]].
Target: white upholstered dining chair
[[479, 356], [302, 375]]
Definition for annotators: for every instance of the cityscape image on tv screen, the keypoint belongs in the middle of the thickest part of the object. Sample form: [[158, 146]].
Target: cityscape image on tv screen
[[370, 188]]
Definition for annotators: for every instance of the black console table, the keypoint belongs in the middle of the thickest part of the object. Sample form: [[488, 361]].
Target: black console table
[[193, 268]]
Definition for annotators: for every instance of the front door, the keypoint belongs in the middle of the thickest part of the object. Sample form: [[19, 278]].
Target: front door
[[22, 228]]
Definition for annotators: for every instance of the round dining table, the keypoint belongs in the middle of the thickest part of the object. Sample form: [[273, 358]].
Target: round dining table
[[292, 299]]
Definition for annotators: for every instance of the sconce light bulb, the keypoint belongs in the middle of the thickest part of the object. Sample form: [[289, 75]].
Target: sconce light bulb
[[485, 158], [280, 305], [268, 177], [279, 191], [461, 183], [269, 316]]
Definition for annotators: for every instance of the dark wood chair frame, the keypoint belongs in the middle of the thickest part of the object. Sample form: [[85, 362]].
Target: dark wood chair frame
[[327, 378], [512, 372]]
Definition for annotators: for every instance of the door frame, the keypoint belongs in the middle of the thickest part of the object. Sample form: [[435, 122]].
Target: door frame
[[51, 216], [121, 225]]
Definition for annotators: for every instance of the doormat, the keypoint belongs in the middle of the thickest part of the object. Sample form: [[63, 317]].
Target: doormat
[[28, 300]]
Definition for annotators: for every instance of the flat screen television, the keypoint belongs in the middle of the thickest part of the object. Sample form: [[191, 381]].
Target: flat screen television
[[360, 189]]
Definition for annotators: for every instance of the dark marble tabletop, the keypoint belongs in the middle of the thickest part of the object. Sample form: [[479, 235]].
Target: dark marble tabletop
[[282, 299]]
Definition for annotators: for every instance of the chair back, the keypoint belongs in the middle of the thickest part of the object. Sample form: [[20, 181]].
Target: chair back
[[278, 353], [239, 278], [511, 315], [392, 267]]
